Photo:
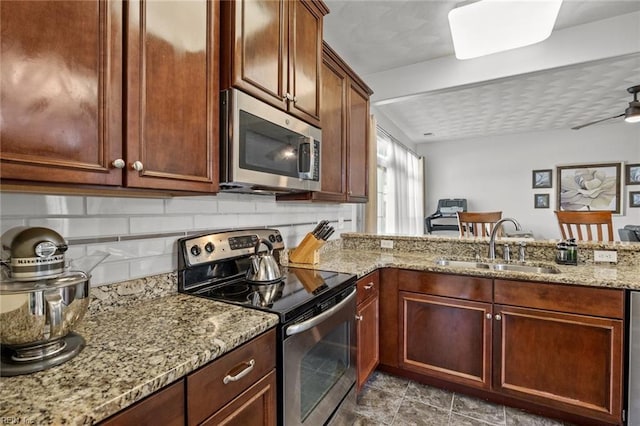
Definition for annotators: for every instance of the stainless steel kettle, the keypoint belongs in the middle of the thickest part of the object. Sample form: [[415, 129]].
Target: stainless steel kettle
[[264, 266]]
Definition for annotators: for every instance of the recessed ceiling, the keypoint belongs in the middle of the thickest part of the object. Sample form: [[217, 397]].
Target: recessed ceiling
[[377, 37]]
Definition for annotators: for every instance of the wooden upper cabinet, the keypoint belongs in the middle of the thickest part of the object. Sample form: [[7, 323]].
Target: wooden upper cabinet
[[357, 148], [344, 117], [172, 95], [273, 51], [61, 91]]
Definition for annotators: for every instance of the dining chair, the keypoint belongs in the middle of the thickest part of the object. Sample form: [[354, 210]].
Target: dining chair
[[582, 225], [477, 224]]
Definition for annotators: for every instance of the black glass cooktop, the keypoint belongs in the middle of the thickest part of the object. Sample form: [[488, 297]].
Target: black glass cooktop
[[296, 292]]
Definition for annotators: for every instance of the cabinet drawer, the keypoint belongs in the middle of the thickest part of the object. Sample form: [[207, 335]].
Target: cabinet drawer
[[458, 286], [206, 390], [166, 404], [564, 298], [368, 286]]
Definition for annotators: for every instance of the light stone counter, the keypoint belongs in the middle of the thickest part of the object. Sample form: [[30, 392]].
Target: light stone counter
[[131, 352], [361, 253]]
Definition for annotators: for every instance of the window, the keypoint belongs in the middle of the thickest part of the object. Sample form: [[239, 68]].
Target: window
[[400, 187]]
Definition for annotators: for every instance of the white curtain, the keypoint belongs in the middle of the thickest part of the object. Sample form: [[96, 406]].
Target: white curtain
[[403, 172]]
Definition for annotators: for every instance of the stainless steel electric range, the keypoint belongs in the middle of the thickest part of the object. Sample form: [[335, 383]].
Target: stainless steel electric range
[[316, 347]]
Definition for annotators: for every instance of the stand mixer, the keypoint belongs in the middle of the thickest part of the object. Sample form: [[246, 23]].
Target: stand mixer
[[41, 300]]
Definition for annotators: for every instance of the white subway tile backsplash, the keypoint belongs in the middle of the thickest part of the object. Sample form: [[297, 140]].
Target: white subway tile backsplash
[[152, 265], [159, 224], [133, 249], [123, 206], [7, 224], [30, 205], [84, 227], [202, 222], [108, 273], [124, 227], [236, 206], [191, 205]]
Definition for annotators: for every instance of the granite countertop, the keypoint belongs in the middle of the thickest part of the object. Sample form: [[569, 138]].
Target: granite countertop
[[130, 353], [361, 262]]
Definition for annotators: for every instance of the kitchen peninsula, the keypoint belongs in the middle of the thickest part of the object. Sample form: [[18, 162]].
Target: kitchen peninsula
[[136, 347]]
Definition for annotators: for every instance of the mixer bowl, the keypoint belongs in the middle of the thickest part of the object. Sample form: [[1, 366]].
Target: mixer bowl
[[37, 314]]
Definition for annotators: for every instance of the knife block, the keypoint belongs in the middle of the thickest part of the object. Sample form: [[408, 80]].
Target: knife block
[[307, 251]]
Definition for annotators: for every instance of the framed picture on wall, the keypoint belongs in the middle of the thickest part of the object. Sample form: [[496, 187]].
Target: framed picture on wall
[[541, 201], [542, 179], [633, 174], [634, 199], [590, 187]]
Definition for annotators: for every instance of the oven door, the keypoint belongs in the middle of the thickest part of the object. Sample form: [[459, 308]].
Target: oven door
[[319, 364]]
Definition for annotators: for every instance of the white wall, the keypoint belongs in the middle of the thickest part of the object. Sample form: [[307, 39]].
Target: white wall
[[127, 228], [494, 173]]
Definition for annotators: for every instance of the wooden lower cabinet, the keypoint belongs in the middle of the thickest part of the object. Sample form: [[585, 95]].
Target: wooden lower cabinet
[[577, 353], [368, 327], [554, 349], [166, 404], [446, 338], [239, 384], [254, 407]]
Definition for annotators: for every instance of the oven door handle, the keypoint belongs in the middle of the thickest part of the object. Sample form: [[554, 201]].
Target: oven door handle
[[312, 322]]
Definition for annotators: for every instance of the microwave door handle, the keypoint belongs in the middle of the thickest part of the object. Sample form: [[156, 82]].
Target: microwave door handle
[[306, 167], [312, 157], [312, 322]]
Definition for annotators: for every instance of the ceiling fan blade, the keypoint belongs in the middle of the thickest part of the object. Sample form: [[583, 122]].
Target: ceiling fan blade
[[597, 121]]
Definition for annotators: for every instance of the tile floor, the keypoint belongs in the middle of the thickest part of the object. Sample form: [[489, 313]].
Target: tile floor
[[390, 400]]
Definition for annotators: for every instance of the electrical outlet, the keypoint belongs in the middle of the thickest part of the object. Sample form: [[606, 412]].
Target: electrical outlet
[[341, 223], [605, 256], [386, 244]]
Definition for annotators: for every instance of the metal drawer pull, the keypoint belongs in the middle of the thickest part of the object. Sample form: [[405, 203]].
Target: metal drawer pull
[[228, 378], [368, 286]]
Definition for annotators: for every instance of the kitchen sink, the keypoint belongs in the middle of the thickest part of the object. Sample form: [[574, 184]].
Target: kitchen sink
[[462, 264], [498, 266]]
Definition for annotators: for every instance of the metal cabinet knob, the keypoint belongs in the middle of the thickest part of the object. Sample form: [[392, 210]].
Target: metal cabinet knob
[[359, 317], [498, 317], [488, 316], [118, 163], [137, 166]]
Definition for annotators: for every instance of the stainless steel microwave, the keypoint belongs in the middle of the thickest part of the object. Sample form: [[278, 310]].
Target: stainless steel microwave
[[264, 149]]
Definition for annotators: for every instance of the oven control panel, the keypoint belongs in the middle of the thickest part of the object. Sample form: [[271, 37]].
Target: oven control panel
[[212, 247]]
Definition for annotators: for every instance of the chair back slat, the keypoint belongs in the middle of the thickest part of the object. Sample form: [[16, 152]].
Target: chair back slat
[[477, 224], [575, 224]]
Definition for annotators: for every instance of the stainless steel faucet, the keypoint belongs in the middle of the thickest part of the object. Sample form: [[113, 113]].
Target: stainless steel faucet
[[494, 232]]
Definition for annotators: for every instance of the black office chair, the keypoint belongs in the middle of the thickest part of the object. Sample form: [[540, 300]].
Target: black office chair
[[629, 233], [447, 208]]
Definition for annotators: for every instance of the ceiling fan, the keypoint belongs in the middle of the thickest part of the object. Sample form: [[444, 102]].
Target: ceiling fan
[[631, 114]]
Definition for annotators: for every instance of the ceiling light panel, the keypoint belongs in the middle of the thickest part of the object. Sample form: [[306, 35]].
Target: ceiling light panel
[[491, 26]]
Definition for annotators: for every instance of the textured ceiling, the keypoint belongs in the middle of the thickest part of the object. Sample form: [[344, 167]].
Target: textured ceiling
[[557, 99], [375, 36]]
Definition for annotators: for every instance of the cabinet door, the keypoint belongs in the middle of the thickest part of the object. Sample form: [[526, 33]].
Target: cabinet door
[[166, 404], [334, 128], [256, 51], [172, 95], [358, 133], [566, 361], [446, 338], [61, 91], [389, 316], [305, 60], [254, 407], [367, 332]]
